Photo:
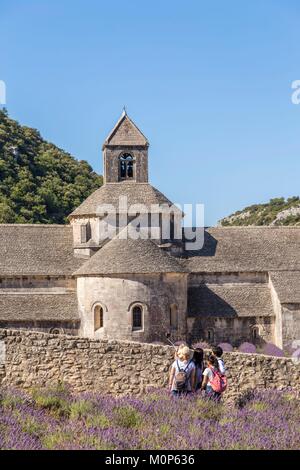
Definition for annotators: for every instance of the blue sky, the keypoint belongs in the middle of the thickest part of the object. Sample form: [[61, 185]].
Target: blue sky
[[209, 84]]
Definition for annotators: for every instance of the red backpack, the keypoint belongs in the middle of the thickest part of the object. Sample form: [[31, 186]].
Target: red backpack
[[219, 381]]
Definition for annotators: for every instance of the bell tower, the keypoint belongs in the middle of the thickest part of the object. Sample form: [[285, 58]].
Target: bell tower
[[125, 153]]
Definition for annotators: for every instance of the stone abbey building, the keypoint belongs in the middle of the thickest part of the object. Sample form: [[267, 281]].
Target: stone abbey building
[[242, 285]]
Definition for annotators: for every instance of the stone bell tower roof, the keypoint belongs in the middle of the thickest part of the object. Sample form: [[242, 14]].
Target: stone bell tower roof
[[110, 193], [125, 133]]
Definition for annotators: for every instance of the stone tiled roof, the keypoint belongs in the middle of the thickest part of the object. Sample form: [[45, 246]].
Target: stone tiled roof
[[109, 193], [287, 286], [128, 257], [230, 300], [125, 132], [234, 249], [38, 306], [37, 250]]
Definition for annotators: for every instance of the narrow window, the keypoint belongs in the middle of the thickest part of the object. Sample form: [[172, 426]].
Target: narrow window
[[98, 317], [137, 318], [210, 335], [255, 333], [126, 166], [85, 232], [173, 317]]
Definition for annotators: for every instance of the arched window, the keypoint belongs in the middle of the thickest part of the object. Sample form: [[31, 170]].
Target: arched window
[[173, 317], [126, 166], [137, 317], [210, 335], [255, 333], [98, 317]]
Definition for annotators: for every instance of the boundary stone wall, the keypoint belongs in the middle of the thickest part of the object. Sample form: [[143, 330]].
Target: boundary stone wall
[[33, 359]]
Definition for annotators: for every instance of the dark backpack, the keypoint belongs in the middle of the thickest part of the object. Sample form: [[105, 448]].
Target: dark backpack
[[181, 378]]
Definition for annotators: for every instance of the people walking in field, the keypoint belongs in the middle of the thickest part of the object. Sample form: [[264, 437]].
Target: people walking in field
[[217, 351], [199, 364], [183, 373], [214, 382]]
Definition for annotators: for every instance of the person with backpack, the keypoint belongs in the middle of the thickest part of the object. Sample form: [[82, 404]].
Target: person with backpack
[[178, 350], [214, 382], [198, 361], [182, 373], [217, 351]]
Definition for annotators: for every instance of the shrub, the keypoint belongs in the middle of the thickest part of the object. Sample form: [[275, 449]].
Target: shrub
[[271, 350], [80, 409], [53, 399], [226, 347], [259, 406], [10, 401], [56, 439], [30, 425], [98, 420], [296, 353], [127, 417], [55, 404], [209, 409], [165, 429], [289, 350], [248, 348]]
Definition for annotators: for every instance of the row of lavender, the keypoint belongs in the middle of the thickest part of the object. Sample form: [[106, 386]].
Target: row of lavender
[[269, 349], [56, 419]]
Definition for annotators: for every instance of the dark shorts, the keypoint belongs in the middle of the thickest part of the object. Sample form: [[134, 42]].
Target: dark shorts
[[177, 393]]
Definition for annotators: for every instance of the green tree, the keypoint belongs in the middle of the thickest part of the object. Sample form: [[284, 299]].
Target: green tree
[[39, 183]]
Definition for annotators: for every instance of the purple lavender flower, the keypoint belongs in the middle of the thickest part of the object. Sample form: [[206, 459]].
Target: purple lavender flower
[[265, 419], [247, 348], [271, 350], [226, 347], [296, 353]]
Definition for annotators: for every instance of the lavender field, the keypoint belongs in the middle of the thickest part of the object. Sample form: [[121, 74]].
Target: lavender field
[[54, 419]]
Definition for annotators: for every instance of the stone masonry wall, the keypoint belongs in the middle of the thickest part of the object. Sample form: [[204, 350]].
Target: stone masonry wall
[[112, 163], [120, 367], [154, 292]]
